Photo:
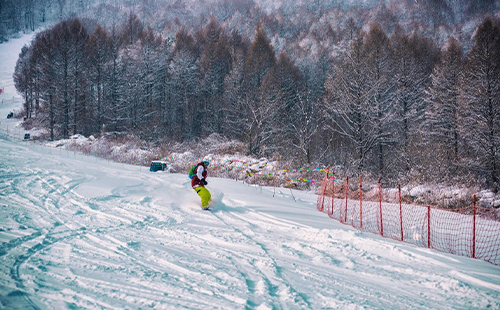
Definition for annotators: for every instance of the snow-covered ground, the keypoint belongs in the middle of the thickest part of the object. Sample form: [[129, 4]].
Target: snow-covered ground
[[81, 232], [78, 232]]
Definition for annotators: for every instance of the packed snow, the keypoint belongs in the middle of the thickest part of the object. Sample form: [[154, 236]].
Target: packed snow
[[80, 232]]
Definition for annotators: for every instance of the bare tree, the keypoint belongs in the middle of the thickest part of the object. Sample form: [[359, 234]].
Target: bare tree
[[414, 59], [441, 116], [347, 104], [480, 102]]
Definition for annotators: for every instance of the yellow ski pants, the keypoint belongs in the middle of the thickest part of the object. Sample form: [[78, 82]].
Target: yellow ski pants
[[204, 195]]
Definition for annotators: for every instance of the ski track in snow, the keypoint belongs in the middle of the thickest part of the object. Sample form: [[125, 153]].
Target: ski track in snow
[[78, 232]]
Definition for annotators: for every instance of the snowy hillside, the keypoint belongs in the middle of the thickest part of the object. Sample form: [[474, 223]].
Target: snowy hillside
[[81, 232]]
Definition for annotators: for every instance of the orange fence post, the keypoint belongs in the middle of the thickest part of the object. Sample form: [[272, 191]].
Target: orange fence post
[[341, 217], [322, 208], [333, 197], [323, 198], [428, 226], [400, 212], [346, 194], [380, 200], [474, 229], [360, 203]]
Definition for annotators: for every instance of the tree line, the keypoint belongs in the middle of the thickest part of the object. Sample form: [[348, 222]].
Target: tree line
[[395, 106]]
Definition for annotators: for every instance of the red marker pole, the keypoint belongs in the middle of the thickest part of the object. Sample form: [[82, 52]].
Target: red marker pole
[[474, 229], [361, 203], [400, 212], [346, 194], [380, 205], [428, 226]]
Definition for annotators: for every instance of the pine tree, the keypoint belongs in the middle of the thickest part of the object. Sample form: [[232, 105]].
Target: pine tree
[[41, 62], [183, 82], [47, 85], [99, 53], [132, 30], [258, 107], [114, 109], [414, 59], [78, 40], [215, 64], [441, 123], [281, 90], [480, 102], [62, 80], [236, 119], [23, 78], [346, 104], [380, 83], [260, 59]]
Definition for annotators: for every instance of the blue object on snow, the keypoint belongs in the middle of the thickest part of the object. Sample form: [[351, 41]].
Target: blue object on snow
[[157, 165]]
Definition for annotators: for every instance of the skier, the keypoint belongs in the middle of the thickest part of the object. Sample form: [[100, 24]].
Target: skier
[[198, 175]]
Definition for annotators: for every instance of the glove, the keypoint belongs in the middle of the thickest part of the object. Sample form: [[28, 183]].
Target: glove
[[203, 181]]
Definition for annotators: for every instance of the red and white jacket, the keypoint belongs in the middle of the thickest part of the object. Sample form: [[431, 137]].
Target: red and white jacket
[[200, 173]]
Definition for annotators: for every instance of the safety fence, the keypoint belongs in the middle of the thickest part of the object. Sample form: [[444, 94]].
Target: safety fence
[[9, 130], [471, 231]]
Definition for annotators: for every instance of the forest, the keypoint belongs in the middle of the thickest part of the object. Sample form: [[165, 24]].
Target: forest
[[399, 90]]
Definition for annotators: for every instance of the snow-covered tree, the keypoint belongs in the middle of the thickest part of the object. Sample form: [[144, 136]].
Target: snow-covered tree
[[281, 90], [23, 78], [235, 123], [480, 102], [379, 77], [258, 106], [347, 105], [441, 116], [414, 59], [182, 85], [44, 51], [77, 43], [215, 64], [99, 53]]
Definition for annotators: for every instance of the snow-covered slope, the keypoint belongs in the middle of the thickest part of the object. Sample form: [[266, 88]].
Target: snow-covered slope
[[79, 232]]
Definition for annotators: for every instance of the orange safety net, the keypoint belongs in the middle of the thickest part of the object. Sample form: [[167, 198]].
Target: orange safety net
[[471, 231]]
